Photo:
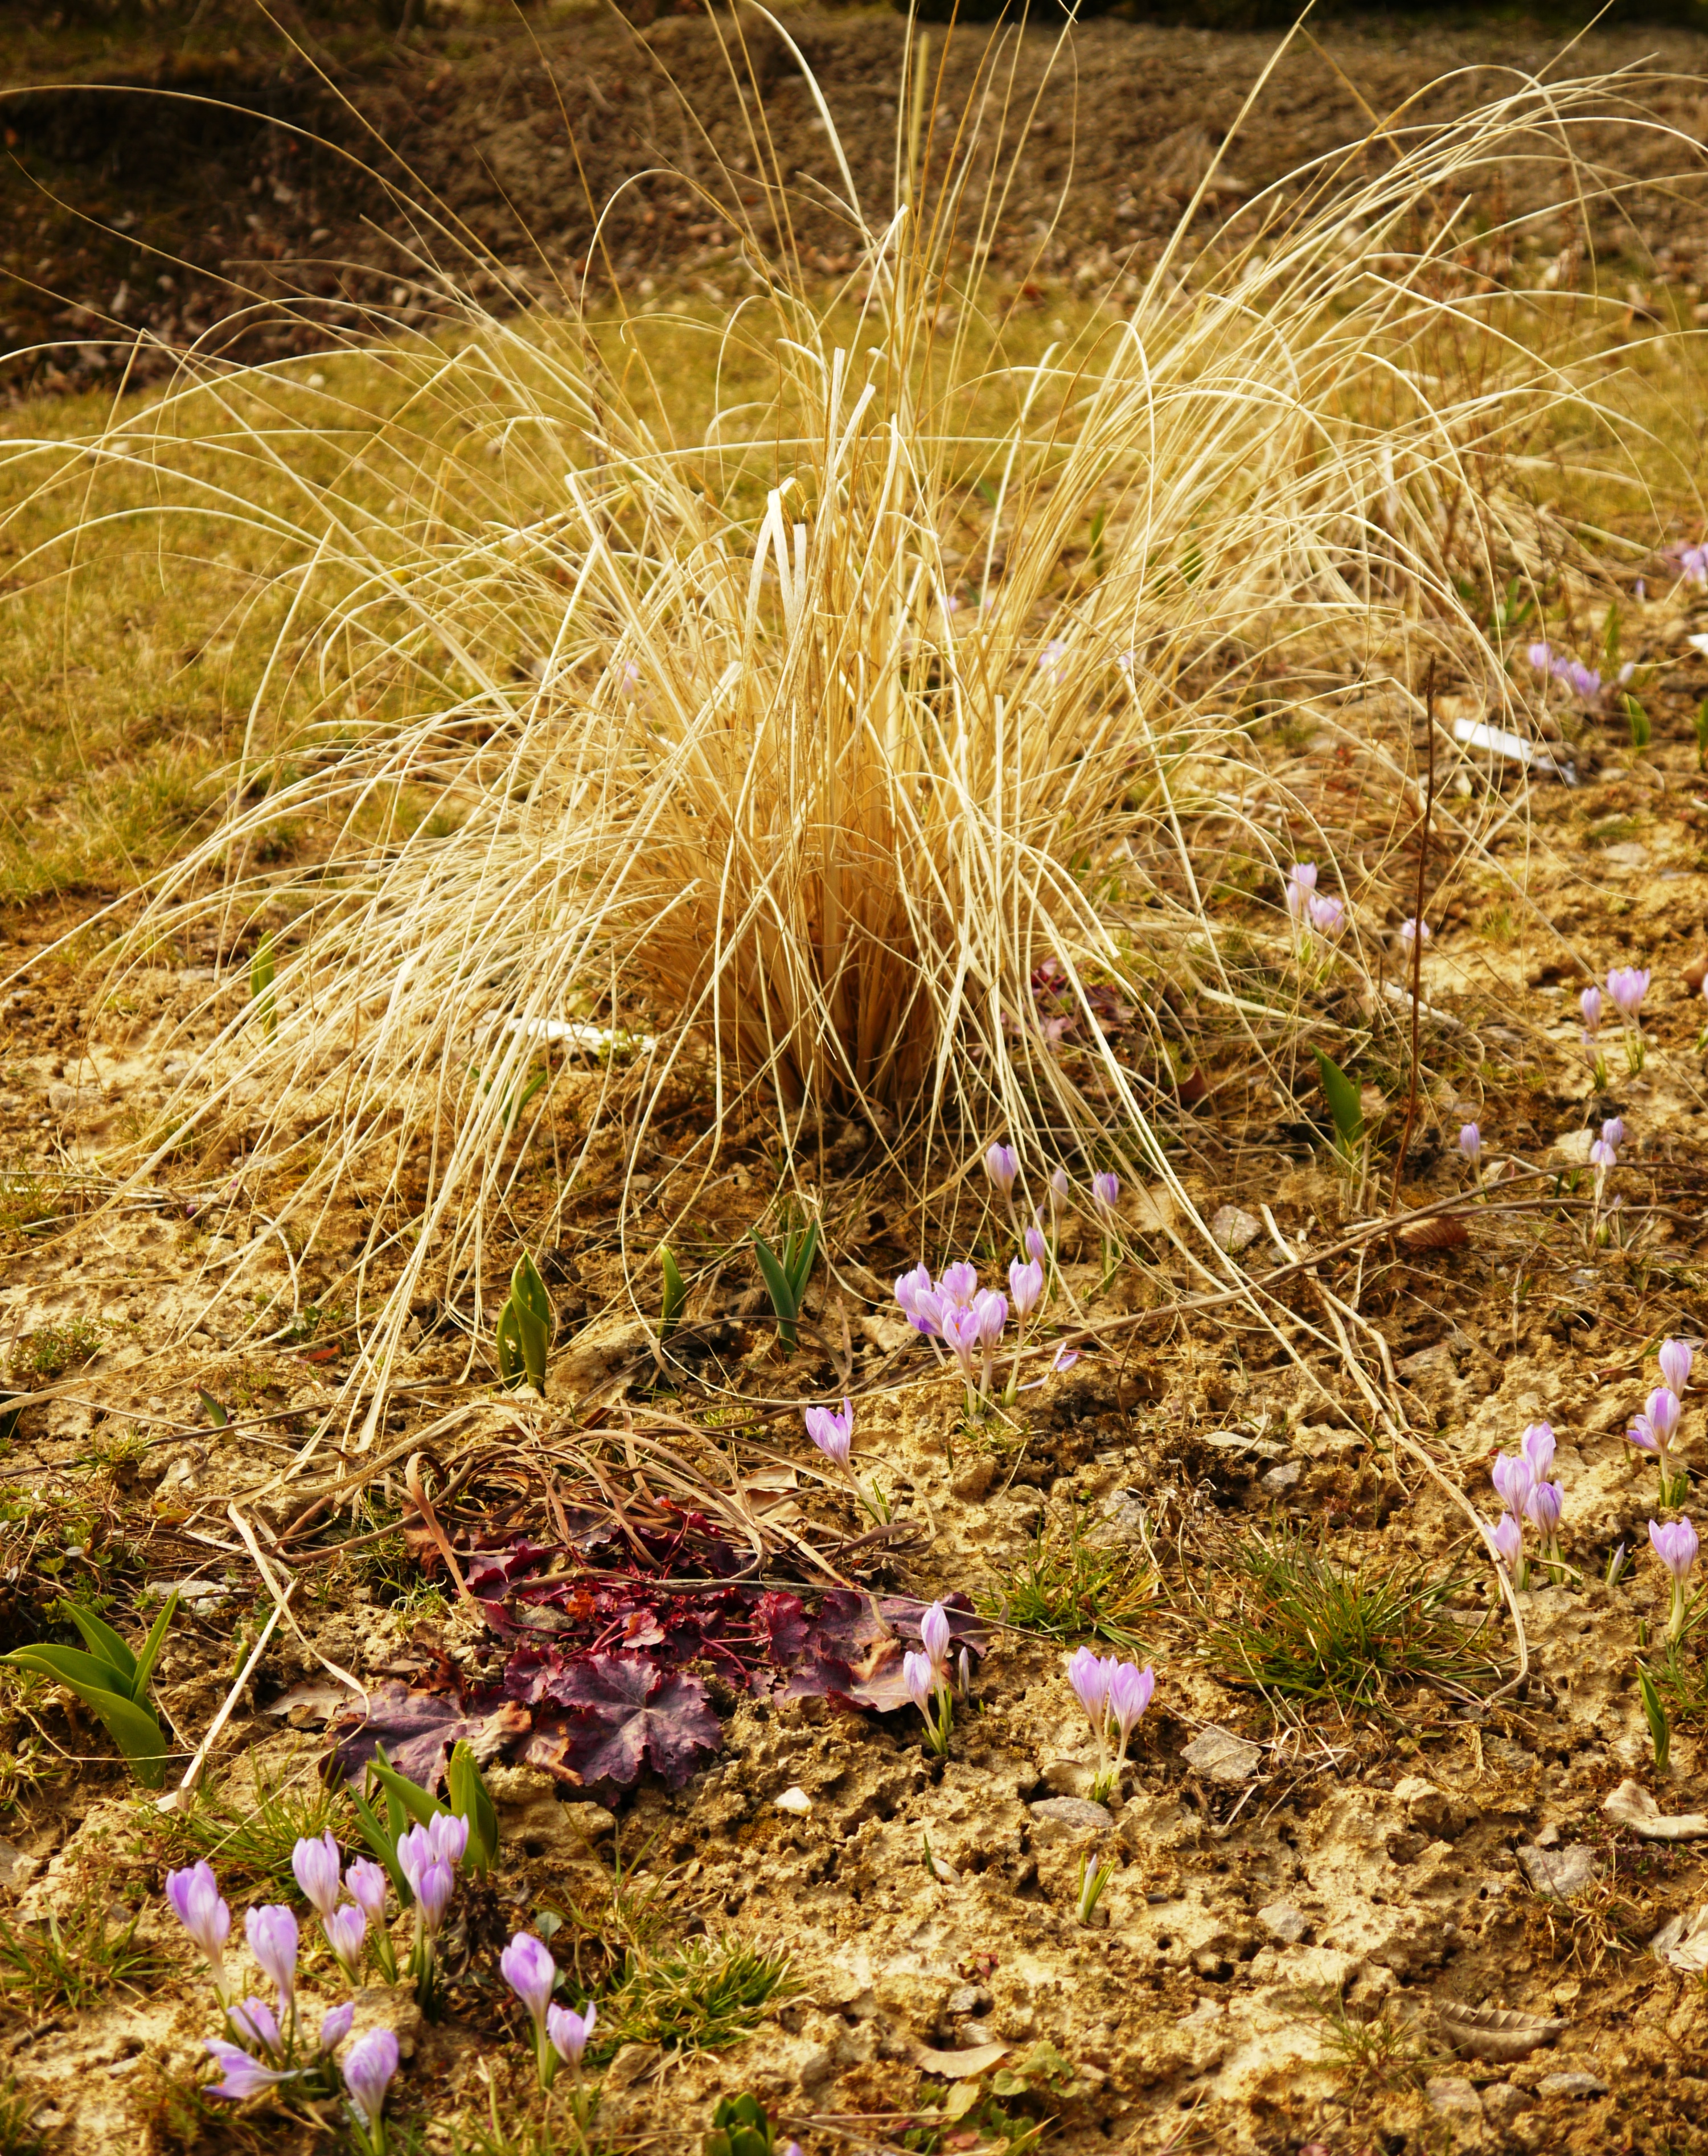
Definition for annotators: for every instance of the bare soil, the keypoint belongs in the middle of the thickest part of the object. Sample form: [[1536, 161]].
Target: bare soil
[[248, 202]]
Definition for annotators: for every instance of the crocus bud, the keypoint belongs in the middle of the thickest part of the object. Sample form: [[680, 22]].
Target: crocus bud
[[569, 2031], [1628, 985], [1676, 1358], [1675, 1545], [368, 2068], [1612, 1131], [433, 1894], [366, 1884], [1410, 932], [1025, 1285], [195, 1898], [1603, 1154], [920, 1304], [1002, 1163], [1641, 1434], [1546, 1502], [528, 1969], [1589, 1003], [1470, 1142], [1106, 1189], [1537, 1446], [1328, 916], [1513, 1480], [1089, 1676], [273, 1941], [1301, 882], [316, 1865], [345, 1928], [1058, 1186], [832, 1433], [1541, 657], [921, 1684], [1507, 1536], [959, 1283], [449, 1833], [990, 1314], [415, 1852], [1130, 1690], [336, 2026], [256, 2026], [934, 1636], [1036, 1248], [1663, 1409]]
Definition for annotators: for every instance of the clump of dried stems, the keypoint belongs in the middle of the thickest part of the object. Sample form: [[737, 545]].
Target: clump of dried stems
[[800, 739]]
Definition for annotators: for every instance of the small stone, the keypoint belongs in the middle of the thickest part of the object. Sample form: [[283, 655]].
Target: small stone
[[592, 1822], [1069, 1817], [974, 1480], [968, 1999], [1234, 1228], [1560, 1873], [1454, 2098], [1549, 1838], [1068, 1777], [1426, 1807], [1282, 1921], [1221, 1756], [1281, 1479], [795, 1801], [1502, 2104], [1571, 2085]]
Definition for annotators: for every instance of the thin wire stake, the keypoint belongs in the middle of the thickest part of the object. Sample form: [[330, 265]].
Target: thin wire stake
[[1405, 1135]]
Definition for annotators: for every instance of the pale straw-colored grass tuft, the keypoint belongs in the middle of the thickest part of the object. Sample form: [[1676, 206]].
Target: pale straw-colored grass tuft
[[800, 739]]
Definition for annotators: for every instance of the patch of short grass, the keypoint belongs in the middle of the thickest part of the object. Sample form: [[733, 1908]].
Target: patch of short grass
[[70, 1963], [1069, 1588], [702, 1996], [47, 1355], [251, 1846], [1314, 1630]]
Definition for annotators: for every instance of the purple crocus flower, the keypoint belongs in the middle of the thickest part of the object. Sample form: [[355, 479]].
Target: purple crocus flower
[[1513, 1479], [1676, 1358], [336, 2026], [1663, 1409], [1676, 1546], [920, 1304], [316, 1863], [1507, 1538], [367, 1885], [1589, 1003], [1036, 1248], [1628, 985], [1693, 562], [1641, 1434], [241, 2077], [1470, 1142], [569, 2031], [415, 1853], [273, 1941], [1301, 882], [1548, 1500], [195, 1898], [345, 1928], [449, 1833], [937, 1638], [1130, 1690], [1584, 681], [959, 1283], [1025, 1285], [1537, 1446], [254, 2022], [1328, 916], [1541, 657], [1088, 1675], [1106, 1189], [526, 1966], [1001, 1164], [368, 2068], [832, 1433], [1612, 1131], [433, 1896], [1410, 932], [918, 1681]]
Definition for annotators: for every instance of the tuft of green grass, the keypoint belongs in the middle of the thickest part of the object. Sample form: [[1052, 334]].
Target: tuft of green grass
[[254, 1845], [1070, 1589], [17, 2136], [53, 1964], [700, 1996], [47, 1355], [1315, 1628], [1378, 2057]]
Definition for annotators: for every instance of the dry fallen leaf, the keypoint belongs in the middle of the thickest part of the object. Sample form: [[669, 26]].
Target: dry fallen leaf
[[1445, 1231], [1494, 2032], [959, 2066]]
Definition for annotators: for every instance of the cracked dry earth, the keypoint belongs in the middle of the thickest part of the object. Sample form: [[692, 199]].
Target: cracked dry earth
[[1437, 1923]]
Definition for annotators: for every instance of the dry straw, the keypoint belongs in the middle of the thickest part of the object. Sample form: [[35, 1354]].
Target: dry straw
[[799, 741]]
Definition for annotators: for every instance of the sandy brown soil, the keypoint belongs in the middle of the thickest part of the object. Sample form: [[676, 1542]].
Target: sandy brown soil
[[239, 201]]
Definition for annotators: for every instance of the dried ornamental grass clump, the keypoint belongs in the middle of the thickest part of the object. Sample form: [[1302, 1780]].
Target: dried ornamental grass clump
[[800, 729]]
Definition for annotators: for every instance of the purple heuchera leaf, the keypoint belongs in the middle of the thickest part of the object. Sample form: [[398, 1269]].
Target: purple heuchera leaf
[[418, 1729], [632, 1713]]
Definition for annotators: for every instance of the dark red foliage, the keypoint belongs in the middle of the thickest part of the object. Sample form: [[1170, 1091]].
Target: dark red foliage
[[598, 1684]]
